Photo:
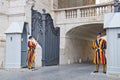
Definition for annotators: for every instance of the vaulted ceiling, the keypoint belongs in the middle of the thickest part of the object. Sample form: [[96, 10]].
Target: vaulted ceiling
[[87, 32]]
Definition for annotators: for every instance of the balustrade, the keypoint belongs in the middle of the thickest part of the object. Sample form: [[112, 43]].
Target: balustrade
[[85, 11]]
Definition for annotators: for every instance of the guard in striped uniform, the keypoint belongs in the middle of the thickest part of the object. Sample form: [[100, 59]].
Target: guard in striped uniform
[[31, 53], [99, 45]]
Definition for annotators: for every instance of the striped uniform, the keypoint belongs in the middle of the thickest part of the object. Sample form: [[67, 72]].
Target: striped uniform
[[31, 54], [99, 55]]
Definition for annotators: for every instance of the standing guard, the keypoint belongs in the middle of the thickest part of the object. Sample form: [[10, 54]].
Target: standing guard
[[31, 52], [99, 45]]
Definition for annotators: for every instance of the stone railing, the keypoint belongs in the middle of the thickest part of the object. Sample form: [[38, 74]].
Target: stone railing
[[84, 12]]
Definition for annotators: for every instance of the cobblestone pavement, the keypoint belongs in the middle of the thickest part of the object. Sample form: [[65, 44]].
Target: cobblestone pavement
[[64, 72]]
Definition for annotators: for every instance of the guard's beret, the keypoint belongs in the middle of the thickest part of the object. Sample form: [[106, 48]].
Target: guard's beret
[[99, 33], [30, 37]]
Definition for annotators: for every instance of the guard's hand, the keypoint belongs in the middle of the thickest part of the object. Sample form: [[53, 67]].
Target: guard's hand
[[36, 44], [92, 47]]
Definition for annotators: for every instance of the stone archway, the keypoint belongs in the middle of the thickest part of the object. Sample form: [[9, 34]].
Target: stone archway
[[78, 43]]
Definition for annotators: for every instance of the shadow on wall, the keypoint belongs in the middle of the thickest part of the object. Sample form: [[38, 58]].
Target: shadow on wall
[[78, 51]]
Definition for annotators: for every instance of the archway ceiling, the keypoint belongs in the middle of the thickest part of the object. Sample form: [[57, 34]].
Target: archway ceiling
[[87, 32]]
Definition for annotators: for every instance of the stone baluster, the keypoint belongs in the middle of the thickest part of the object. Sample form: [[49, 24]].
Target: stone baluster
[[78, 13], [102, 10], [81, 13], [66, 14], [94, 11], [84, 12], [97, 11], [105, 10], [90, 12], [75, 13], [109, 8], [70, 13]]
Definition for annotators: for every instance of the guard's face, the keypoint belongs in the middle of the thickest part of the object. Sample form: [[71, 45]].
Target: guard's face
[[98, 36], [31, 39]]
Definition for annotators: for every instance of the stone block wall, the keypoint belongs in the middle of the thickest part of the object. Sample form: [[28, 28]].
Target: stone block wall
[[77, 51], [2, 51]]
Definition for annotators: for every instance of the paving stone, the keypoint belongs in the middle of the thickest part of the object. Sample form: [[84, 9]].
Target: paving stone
[[62, 72]]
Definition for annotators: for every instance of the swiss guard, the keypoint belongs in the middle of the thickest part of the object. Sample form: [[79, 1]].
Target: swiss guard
[[99, 45], [31, 52]]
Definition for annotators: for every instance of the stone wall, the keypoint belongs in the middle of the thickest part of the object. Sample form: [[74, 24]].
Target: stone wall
[[103, 1], [74, 3], [20, 10], [77, 51], [4, 26], [2, 51]]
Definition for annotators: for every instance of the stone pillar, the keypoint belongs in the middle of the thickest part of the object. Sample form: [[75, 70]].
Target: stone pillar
[[62, 45], [112, 26]]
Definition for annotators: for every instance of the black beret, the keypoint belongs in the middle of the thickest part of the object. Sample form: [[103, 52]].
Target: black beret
[[30, 37], [99, 33]]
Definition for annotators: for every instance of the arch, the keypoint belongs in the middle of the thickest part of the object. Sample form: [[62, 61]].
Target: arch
[[86, 30], [75, 25], [78, 42]]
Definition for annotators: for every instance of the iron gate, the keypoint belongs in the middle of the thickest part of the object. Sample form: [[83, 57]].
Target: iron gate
[[47, 36], [24, 46]]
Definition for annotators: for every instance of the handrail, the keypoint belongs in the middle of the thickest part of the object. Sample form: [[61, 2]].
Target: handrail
[[84, 11], [88, 6]]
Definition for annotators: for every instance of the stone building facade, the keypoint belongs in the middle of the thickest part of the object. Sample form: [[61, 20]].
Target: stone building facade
[[20, 10]]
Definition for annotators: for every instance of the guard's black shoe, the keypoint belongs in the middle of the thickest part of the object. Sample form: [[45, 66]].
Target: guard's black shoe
[[95, 71], [104, 72], [29, 68]]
